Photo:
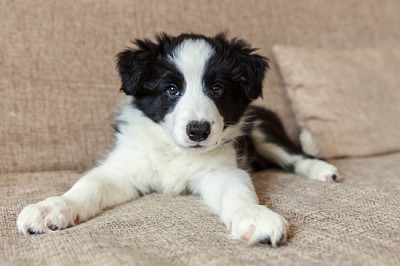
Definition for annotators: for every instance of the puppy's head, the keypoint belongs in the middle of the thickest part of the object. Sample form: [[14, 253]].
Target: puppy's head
[[197, 88]]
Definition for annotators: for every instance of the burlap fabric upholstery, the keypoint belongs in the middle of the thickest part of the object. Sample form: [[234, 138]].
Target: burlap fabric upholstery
[[58, 86]]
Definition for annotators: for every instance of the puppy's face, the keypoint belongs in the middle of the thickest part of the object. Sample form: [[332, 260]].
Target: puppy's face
[[196, 88]]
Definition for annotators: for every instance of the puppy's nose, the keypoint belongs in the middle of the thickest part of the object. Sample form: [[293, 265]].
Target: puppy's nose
[[198, 130]]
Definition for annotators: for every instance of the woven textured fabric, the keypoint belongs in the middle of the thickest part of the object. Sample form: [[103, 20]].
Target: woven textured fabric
[[58, 83], [355, 222], [348, 99]]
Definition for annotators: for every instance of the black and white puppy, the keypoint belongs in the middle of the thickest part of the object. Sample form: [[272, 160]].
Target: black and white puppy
[[188, 127]]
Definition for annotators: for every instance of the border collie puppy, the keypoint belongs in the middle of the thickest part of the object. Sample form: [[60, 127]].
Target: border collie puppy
[[188, 127]]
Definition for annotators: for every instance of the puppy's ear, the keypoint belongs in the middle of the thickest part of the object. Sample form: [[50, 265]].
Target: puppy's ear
[[133, 64], [252, 66]]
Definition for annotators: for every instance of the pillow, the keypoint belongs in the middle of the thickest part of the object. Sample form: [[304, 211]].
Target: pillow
[[348, 99]]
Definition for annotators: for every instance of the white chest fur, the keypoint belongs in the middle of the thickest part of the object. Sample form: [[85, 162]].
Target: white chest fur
[[155, 163]]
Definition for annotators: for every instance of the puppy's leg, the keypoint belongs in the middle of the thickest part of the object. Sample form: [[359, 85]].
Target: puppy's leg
[[300, 164], [100, 188], [230, 193], [271, 142]]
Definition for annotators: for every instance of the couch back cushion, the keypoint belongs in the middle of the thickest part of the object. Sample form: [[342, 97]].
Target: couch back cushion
[[58, 82]]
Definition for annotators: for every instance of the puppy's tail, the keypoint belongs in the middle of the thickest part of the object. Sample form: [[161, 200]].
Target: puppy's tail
[[309, 145]]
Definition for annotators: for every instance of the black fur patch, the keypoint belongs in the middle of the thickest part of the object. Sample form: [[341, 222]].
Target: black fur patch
[[146, 72]]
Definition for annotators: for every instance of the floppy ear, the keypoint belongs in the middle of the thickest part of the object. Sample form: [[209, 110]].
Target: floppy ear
[[252, 66], [132, 65]]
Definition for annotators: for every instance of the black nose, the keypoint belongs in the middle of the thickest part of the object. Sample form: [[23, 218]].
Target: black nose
[[198, 131]]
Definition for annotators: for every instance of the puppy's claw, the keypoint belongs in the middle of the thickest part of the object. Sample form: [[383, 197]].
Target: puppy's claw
[[265, 241], [32, 232], [53, 227]]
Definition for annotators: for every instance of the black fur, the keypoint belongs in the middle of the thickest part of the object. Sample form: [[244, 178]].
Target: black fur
[[234, 66], [145, 73], [248, 68]]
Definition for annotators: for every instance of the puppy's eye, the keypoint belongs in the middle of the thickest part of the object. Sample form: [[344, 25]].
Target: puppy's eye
[[172, 91], [217, 90]]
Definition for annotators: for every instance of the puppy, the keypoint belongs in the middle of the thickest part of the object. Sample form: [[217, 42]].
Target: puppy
[[188, 127]]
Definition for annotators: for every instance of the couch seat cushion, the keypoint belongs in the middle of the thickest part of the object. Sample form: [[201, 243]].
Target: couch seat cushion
[[353, 221]]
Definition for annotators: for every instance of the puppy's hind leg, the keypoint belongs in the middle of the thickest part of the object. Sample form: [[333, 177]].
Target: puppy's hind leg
[[271, 142], [102, 187]]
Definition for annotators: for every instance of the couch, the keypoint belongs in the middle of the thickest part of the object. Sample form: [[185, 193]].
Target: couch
[[59, 87]]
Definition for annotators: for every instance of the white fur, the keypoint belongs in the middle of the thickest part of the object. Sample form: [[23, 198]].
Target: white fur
[[316, 169], [308, 144]]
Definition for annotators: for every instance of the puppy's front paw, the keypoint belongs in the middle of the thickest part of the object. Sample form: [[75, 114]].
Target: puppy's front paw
[[259, 225], [52, 214]]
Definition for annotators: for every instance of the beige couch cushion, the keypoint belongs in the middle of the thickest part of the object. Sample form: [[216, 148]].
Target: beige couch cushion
[[347, 223], [348, 99]]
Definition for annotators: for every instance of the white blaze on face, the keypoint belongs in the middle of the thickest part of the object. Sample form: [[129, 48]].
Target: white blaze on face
[[190, 58]]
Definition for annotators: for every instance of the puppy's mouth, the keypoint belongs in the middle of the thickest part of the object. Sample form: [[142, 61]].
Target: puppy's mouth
[[202, 146], [198, 146]]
